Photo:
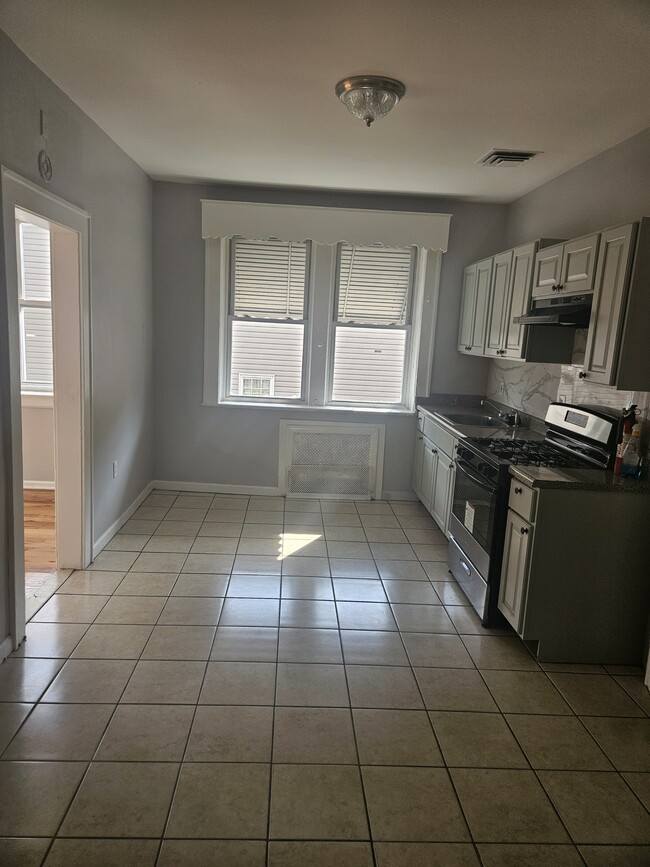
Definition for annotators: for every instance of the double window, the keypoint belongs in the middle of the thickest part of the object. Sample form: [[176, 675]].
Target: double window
[[35, 308]]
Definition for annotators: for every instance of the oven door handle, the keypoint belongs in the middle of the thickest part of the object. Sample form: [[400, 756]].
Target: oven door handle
[[464, 468]]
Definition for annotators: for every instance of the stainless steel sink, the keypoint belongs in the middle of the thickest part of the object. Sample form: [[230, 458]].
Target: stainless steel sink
[[475, 419]]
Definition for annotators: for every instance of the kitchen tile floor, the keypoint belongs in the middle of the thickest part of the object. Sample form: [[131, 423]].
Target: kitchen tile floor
[[247, 681]]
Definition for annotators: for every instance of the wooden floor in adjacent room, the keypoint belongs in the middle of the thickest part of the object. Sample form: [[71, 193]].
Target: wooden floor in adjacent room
[[40, 544]]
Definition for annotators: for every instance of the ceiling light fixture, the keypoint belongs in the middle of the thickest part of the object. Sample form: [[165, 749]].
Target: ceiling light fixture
[[370, 97]]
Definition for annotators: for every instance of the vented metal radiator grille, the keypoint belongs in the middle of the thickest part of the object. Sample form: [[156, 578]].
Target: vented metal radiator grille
[[330, 459]]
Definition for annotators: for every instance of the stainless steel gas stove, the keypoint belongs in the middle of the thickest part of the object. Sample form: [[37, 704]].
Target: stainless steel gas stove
[[577, 437]]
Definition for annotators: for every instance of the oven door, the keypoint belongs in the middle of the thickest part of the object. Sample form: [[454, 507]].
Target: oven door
[[474, 506]]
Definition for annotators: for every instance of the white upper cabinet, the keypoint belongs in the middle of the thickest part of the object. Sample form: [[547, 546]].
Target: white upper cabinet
[[468, 307], [498, 313], [521, 279], [476, 296], [567, 268]]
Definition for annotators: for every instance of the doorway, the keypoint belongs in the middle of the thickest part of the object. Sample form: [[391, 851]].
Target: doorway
[[49, 374]]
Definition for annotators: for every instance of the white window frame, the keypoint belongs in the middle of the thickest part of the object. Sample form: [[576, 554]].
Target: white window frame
[[319, 332], [270, 377], [32, 394]]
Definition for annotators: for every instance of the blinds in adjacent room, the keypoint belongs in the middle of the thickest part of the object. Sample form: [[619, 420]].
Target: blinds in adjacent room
[[35, 303]]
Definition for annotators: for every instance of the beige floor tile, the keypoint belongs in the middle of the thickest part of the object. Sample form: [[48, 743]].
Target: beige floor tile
[[309, 567], [35, 795], [392, 551], [254, 516], [209, 563], [499, 652], [261, 547], [385, 534], [395, 737], [525, 692], [250, 612], [397, 570], [595, 695], [191, 611], [90, 681], [616, 856], [179, 642], [147, 584], [138, 526], [425, 855], [230, 800], [12, 716], [414, 592], [150, 513], [310, 645], [423, 618], [557, 743], [102, 853], [165, 682], [169, 545], [121, 799], [382, 521], [245, 644], [23, 851], [529, 855], [307, 685], [132, 609], [322, 802], [365, 647], [348, 567], [640, 785], [437, 571], [572, 667], [382, 686], [249, 564], [625, 741], [113, 561], [185, 514], [231, 734], [366, 615], [168, 562], [146, 733], [358, 590], [454, 689], [272, 530], [95, 583], [425, 537], [239, 683], [268, 503], [349, 550], [597, 807], [108, 641], [62, 608], [333, 519], [51, 639], [347, 534], [189, 584], [437, 651], [476, 740], [212, 853], [507, 805], [417, 522], [306, 588], [413, 804], [636, 689], [293, 854], [431, 553], [255, 586], [223, 529], [25, 680], [451, 594], [178, 528], [313, 736], [338, 507], [60, 732], [309, 613]]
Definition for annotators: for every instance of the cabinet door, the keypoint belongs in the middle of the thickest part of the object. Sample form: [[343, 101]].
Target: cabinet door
[[548, 269], [579, 265], [417, 463], [498, 303], [429, 471], [441, 502], [479, 323], [450, 495], [521, 278], [468, 307], [608, 308], [514, 571]]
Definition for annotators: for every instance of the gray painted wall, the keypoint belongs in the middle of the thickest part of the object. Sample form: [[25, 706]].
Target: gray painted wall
[[239, 445], [92, 172]]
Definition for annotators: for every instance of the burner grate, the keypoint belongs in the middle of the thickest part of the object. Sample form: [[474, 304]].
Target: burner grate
[[530, 453]]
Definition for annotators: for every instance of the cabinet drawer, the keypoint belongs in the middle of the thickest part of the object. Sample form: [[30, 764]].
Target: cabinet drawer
[[442, 439], [522, 500]]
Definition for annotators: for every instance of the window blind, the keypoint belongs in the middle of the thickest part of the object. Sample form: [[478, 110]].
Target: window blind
[[373, 284], [269, 279], [35, 302], [35, 270]]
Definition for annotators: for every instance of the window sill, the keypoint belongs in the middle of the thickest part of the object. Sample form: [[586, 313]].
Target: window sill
[[36, 400], [374, 410]]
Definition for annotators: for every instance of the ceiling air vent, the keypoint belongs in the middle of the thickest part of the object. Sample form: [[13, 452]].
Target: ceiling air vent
[[498, 157]]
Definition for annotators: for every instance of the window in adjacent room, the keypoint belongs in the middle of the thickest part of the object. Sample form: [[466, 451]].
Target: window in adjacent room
[[267, 319], [35, 308]]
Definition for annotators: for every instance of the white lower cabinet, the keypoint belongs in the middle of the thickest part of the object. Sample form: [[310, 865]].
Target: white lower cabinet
[[434, 470], [514, 572], [429, 472]]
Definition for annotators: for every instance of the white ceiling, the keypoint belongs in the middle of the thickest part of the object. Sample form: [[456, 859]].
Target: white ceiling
[[244, 91]]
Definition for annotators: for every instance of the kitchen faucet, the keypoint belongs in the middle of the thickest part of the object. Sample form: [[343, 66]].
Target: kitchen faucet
[[511, 418]]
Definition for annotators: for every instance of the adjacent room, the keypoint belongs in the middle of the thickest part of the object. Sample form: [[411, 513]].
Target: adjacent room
[[324, 434]]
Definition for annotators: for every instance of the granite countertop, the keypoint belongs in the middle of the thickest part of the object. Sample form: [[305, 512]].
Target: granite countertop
[[578, 479], [437, 412]]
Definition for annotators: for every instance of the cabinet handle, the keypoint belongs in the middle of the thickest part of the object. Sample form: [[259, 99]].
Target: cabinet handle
[[524, 530], [451, 465], [560, 287], [518, 490], [582, 374], [434, 451]]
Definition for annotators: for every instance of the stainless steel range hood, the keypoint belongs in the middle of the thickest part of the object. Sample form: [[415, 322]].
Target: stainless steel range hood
[[573, 311]]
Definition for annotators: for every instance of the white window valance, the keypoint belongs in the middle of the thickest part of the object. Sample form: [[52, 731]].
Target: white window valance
[[325, 225]]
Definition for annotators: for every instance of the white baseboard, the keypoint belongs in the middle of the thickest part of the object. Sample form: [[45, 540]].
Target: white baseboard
[[38, 486], [6, 647], [399, 495], [106, 537], [209, 488]]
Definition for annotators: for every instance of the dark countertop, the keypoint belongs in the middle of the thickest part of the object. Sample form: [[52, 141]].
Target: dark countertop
[[437, 413], [583, 480]]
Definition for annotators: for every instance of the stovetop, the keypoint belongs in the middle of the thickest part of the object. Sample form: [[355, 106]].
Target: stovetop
[[527, 453]]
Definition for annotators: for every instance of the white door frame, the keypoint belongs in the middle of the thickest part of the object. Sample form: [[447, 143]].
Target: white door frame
[[70, 245]]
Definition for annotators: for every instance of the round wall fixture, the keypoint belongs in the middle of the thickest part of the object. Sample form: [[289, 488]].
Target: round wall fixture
[[45, 166], [370, 97]]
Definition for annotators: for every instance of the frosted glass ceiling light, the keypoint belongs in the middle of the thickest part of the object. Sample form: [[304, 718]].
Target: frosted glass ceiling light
[[370, 97]]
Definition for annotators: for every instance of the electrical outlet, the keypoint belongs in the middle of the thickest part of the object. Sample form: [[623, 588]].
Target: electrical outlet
[[114, 469]]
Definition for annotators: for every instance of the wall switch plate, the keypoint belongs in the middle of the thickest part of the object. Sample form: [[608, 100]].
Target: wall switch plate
[[114, 469]]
